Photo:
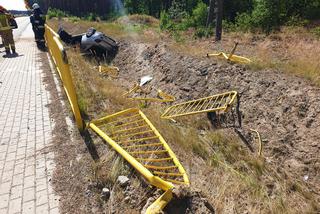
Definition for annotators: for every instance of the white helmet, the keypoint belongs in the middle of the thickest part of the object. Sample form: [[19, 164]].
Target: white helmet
[[35, 6]]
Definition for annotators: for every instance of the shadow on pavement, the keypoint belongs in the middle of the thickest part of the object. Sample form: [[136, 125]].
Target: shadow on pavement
[[13, 55]]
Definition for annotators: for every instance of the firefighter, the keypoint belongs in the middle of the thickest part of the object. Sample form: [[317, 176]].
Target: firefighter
[[6, 31], [38, 20]]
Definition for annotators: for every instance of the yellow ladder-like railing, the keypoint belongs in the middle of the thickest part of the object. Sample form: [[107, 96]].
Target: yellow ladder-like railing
[[134, 133], [215, 103], [134, 137]]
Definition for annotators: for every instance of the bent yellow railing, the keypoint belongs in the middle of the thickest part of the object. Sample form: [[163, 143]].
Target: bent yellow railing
[[134, 137], [162, 96], [218, 102], [111, 71], [129, 132], [231, 56], [59, 57]]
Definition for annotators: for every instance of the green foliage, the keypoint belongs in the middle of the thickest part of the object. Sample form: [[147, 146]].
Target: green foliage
[[177, 11], [53, 12], [296, 21], [179, 21], [244, 22], [265, 15], [135, 7], [180, 15], [165, 21], [91, 17], [199, 15]]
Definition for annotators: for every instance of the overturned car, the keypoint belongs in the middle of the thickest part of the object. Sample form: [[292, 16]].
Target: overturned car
[[93, 43]]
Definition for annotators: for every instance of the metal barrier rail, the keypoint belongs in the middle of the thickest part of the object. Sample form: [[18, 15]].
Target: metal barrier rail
[[219, 102], [233, 58], [60, 60]]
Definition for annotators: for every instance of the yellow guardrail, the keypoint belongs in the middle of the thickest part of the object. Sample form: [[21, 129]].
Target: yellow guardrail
[[60, 60], [218, 102], [163, 97]]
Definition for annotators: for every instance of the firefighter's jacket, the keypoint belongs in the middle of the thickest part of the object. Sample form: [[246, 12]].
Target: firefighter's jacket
[[38, 20], [4, 22]]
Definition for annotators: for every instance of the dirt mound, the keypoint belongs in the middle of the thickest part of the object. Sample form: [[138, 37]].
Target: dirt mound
[[283, 108]]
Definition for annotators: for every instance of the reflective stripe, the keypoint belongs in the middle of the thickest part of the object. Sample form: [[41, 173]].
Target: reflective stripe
[[5, 28]]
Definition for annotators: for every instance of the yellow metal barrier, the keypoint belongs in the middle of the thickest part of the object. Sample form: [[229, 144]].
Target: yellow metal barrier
[[163, 97], [161, 202], [111, 71], [219, 102], [133, 136], [60, 60], [231, 56]]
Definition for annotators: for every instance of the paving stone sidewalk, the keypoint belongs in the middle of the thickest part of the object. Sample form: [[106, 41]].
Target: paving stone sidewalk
[[26, 165]]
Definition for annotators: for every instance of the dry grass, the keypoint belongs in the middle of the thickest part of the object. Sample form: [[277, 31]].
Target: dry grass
[[293, 50], [236, 180], [233, 178], [139, 19]]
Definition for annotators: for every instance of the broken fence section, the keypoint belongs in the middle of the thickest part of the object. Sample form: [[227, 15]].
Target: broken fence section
[[162, 96], [215, 103], [134, 137]]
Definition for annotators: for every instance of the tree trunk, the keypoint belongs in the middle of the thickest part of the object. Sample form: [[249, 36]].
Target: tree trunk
[[219, 20], [210, 13]]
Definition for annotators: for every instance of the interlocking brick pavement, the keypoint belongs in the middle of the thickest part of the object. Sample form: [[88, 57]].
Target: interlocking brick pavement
[[25, 130]]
